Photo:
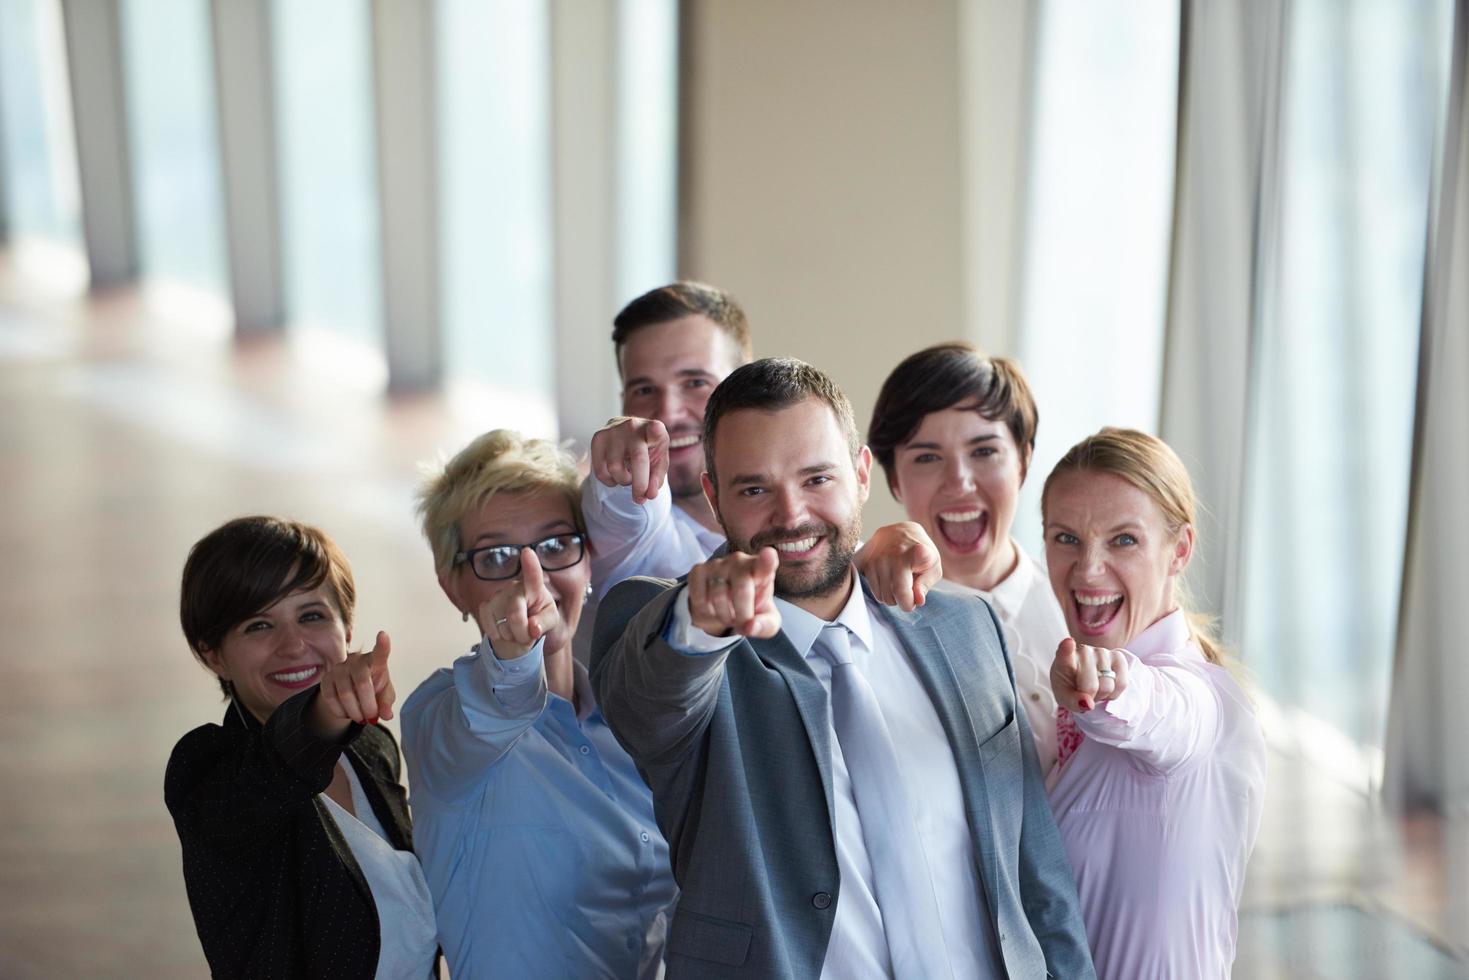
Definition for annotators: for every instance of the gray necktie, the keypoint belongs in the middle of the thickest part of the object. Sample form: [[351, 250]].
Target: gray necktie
[[900, 872]]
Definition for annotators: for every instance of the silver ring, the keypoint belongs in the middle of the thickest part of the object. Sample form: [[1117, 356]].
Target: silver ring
[[719, 581], [1104, 672], [502, 622]]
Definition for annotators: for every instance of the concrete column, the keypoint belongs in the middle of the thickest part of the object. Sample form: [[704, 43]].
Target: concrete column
[[823, 179], [996, 67], [584, 154], [407, 166], [248, 153], [94, 54]]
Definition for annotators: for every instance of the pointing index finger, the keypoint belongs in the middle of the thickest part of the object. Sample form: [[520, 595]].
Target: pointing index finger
[[532, 578]]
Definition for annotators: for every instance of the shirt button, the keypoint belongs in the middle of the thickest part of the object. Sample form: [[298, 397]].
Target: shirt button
[[1035, 695], [821, 900], [644, 837], [586, 750]]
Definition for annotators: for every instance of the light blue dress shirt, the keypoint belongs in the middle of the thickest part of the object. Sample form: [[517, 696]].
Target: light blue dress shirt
[[535, 830]]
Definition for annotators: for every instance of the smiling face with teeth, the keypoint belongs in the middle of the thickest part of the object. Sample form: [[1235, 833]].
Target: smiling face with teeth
[[1111, 555], [959, 475], [668, 371], [281, 650], [787, 479]]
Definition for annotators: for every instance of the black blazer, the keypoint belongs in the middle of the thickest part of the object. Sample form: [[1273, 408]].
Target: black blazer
[[273, 885]]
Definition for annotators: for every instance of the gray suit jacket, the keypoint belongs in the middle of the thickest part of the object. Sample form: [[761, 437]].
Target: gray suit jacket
[[737, 749]]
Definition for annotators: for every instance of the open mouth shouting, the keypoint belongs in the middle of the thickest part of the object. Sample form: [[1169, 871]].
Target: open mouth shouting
[[296, 678], [1095, 610], [963, 529]]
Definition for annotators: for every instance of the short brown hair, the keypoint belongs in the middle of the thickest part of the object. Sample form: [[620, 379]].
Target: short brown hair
[[247, 565], [946, 376], [678, 300], [769, 385]]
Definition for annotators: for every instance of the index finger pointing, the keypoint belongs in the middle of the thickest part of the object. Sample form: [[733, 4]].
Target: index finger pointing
[[381, 648], [532, 579]]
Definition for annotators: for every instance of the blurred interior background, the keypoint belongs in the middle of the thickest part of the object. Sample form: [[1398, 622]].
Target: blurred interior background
[[268, 255]]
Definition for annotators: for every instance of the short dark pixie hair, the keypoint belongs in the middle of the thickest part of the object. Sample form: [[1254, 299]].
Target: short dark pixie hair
[[769, 385], [676, 301], [247, 565], [947, 376]]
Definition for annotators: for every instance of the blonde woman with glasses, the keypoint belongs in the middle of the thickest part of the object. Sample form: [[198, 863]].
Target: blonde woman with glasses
[[535, 830]]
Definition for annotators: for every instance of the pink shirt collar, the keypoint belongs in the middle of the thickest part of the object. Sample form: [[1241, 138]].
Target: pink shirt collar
[[1168, 635]]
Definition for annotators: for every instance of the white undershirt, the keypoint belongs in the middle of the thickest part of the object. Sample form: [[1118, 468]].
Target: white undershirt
[[405, 910]]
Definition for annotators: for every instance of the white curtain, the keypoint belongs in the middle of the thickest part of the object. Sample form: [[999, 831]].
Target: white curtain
[[1426, 763]]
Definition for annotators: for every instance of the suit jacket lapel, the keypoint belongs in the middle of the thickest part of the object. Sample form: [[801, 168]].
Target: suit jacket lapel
[[936, 671], [811, 701]]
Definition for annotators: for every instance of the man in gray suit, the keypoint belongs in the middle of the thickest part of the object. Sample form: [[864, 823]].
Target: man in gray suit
[[847, 790]]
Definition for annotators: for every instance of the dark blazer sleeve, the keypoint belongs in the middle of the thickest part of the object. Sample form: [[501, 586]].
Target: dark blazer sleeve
[[1047, 889], [234, 787]]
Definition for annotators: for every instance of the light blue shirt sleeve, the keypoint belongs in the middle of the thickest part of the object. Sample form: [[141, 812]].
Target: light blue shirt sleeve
[[687, 638], [464, 728]]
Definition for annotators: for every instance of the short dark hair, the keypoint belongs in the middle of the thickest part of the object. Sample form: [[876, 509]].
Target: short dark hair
[[769, 385], [246, 566], [945, 376], [678, 300]]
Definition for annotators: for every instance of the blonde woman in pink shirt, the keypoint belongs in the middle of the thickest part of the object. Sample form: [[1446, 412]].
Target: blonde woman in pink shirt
[[1160, 775]]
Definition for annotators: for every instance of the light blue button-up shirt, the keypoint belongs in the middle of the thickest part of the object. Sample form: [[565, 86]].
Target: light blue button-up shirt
[[535, 830]]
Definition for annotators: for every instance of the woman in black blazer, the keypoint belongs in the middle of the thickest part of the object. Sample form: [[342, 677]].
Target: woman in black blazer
[[297, 848]]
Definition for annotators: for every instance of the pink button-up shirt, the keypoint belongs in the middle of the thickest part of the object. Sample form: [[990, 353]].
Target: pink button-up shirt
[[1159, 809]]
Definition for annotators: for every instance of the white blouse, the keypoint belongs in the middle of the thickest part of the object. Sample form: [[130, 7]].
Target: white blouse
[[1159, 809], [1033, 626], [405, 910]]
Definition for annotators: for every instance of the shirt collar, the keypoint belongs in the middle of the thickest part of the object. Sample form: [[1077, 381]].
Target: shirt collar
[[1168, 635], [802, 629], [710, 540], [1009, 595]]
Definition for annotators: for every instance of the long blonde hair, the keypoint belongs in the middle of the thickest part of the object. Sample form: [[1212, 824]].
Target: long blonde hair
[[1147, 463]]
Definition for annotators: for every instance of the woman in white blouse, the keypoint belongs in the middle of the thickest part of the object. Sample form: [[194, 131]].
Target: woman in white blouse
[[1160, 778], [954, 431]]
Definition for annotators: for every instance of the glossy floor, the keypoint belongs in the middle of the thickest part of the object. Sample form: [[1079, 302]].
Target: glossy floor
[[128, 428]]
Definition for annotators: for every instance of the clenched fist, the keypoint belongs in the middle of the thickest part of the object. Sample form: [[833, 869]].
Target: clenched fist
[[1082, 675]]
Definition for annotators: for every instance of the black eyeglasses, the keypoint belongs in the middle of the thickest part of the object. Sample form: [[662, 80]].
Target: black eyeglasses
[[502, 561]]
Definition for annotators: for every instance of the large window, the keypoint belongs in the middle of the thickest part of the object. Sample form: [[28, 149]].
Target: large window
[[168, 58], [1097, 223], [323, 77], [41, 196], [495, 198], [1329, 451], [647, 144]]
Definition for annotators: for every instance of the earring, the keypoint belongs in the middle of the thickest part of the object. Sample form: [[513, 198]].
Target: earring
[[589, 592], [466, 615]]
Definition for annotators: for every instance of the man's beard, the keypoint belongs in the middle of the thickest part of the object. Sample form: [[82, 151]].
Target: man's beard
[[810, 582], [686, 483]]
